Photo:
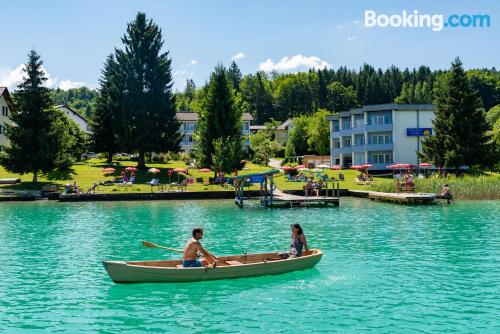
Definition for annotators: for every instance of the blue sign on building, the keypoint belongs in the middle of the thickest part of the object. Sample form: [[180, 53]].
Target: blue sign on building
[[256, 179], [418, 132]]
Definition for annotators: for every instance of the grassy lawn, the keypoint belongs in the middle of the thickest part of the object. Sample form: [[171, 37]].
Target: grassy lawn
[[348, 183], [87, 172]]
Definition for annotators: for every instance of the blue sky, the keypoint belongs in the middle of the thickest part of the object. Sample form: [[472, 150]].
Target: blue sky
[[74, 37]]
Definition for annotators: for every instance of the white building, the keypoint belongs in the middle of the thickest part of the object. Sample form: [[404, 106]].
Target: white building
[[379, 134], [6, 107], [82, 123], [189, 122]]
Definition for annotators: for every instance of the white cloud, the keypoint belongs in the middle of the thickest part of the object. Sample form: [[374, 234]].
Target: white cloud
[[193, 62], [351, 38], [239, 55], [294, 62], [68, 84], [12, 78]]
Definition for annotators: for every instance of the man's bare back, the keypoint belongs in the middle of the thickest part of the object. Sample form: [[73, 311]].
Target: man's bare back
[[191, 250]]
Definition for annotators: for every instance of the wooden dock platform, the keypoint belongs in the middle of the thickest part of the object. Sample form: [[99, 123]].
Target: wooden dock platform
[[281, 199], [401, 198]]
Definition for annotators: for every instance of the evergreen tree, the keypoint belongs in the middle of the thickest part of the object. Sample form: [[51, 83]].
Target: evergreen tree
[[460, 125], [219, 118], [341, 98], [148, 104], [234, 76], [39, 141], [322, 89], [107, 114]]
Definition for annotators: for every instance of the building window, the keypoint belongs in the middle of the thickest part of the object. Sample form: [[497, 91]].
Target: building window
[[336, 144], [346, 124], [190, 127], [381, 139], [1, 129], [382, 158], [5, 111], [246, 127], [380, 119], [336, 127], [359, 140], [359, 122], [347, 142], [188, 139]]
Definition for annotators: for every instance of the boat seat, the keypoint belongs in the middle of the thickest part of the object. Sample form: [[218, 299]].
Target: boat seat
[[233, 263], [179, 266]]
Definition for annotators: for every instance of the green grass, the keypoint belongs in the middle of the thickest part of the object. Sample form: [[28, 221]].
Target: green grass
[[87, 172], [484, 187]]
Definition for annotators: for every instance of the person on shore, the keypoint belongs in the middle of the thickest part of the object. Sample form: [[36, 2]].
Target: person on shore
[[299, 241], [193, 247], [446, 193], [399, 185], [409, 182]]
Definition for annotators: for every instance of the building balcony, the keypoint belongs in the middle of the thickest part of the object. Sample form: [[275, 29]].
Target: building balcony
[[342, 150], [378, 127], [380, 147], [345, 132], [358, 148], [335, 134], [358, 130]]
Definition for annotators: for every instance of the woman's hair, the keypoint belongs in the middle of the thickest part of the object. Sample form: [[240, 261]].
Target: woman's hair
[[297, 226]]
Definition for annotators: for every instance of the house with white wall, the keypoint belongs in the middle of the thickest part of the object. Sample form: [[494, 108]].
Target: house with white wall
[[379, 134], [81, 121], [6, 108], [189, 122]]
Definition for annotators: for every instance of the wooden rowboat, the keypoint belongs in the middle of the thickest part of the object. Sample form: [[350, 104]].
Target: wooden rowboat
[[233, 266]]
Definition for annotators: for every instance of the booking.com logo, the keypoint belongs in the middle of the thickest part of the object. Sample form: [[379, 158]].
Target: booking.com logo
[[416, 20]]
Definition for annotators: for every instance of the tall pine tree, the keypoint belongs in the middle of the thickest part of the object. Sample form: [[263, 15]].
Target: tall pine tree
[[219, 118], [39, 142], [460, 125], [149, 103], [234, 76]]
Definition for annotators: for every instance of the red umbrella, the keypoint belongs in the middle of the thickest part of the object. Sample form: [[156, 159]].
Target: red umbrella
[[108, 170], [204, 170], [131, 169], [287, 168], [425, 165], [179, 170], [336, 167], [300, 166], [357, 167], [366, 166], [396, 166]]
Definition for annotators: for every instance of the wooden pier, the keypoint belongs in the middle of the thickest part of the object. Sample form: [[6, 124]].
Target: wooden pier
[[399, 198], [272, 197], [284, 200]]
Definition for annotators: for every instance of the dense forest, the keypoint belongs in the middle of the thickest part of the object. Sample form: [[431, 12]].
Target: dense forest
[[284, 95]]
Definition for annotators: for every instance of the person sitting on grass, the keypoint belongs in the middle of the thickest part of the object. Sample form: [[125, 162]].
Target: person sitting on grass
[[193, 247]]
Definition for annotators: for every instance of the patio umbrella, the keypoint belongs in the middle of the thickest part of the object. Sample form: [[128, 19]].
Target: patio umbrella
[[131, 169], [204, 170], [108, 170], [425, 165], [336, 167], [366, 166], [300, 167], [357, 167], [323, 166], [153, 170], [179, 170], [287, 168]]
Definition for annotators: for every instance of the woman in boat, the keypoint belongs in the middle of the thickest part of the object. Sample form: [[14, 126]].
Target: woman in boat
[[299, 241]]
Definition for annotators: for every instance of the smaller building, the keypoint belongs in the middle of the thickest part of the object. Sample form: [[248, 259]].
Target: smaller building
[[255, 128], [6, 108], [379, 134], [283, 130], [189, 122], [82, 123]]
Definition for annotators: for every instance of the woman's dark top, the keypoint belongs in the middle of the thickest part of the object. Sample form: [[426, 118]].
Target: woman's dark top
[[298, 245]]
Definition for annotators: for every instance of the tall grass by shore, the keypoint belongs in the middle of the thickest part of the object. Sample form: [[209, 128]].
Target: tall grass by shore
[[485, 187]]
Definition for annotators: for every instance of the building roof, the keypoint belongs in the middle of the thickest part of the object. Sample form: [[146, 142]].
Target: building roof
[[193, 116], [382, 107], [284, 125], [64, 106], [6, 95]]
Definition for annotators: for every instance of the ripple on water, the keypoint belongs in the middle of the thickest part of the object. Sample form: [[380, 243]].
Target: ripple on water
[[386, 268]]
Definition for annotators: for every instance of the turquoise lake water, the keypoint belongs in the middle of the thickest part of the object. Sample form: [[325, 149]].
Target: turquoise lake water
[[386, 269]]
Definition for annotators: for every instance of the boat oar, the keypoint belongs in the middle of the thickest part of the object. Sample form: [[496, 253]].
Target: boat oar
[[152, 245]]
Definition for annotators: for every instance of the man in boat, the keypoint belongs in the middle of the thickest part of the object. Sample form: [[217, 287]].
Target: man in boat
[[193, 247]]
